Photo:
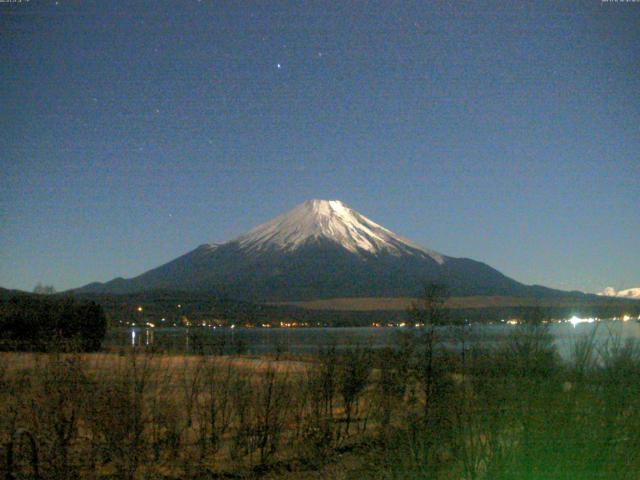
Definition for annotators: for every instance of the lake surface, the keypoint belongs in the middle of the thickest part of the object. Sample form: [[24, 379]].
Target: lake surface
[[258, 341]]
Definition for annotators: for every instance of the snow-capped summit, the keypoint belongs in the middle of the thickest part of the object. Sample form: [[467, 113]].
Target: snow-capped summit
[[330, 220], [628, 293]]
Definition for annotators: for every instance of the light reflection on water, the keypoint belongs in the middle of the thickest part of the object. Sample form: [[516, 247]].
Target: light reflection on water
[[309, 340]]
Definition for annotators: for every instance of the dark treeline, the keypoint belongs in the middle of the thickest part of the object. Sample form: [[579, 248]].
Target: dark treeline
[[175, 306], [197, 307], [41, 323]]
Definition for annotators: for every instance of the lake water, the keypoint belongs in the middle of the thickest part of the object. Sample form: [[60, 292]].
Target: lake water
[[258, 341]]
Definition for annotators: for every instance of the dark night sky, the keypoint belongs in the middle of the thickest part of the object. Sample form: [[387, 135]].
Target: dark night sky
[[131, 132]]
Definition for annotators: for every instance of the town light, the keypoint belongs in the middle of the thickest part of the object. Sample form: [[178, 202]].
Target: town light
[[576, 320]]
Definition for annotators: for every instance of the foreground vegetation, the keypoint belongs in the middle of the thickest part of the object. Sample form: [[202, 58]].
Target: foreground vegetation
[[419, 410]]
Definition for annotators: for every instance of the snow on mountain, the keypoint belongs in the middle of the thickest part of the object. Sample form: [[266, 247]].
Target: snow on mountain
[[628, 293], [330, 220], [608, 292]]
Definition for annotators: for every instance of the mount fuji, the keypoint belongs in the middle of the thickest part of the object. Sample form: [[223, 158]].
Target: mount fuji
[[320, 249]]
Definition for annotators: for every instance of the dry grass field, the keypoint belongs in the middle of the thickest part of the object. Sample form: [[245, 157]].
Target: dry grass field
[[140, 415], [416, 410], [102, 363]]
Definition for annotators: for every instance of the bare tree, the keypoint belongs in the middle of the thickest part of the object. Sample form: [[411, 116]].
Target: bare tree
[[353, 377], [429, 311]]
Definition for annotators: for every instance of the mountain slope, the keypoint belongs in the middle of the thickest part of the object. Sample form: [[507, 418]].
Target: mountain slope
[[320, 249]]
